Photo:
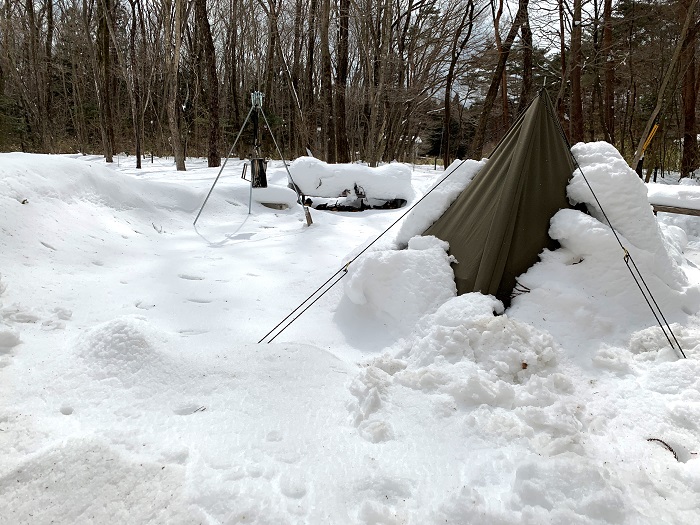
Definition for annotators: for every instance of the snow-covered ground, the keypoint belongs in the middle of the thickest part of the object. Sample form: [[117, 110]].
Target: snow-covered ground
[[133, 390]]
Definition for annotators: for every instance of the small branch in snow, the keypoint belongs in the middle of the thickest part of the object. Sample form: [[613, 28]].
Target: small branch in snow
[[666, 445]]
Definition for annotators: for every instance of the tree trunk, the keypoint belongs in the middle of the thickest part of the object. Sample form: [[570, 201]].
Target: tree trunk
[[136, 109], [689, 96], [48, 77], [576, 95], [456, 48], [173, 43], [526, 89], [664, 83], [309, 92], [341, 79], [479, 136], [270, 66], [105, 79], [328, 126], [211, 90], [499, 49], [298, 129], [560, 102], [609, 75], [231, 77], [128, 68]]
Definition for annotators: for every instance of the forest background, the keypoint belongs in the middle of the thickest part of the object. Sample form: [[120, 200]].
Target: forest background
[[348, 80]]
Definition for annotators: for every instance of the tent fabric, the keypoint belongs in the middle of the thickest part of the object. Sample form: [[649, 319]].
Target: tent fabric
[[499, 224]]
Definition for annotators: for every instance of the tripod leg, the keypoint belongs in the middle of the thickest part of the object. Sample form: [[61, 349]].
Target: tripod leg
[[223, 166]]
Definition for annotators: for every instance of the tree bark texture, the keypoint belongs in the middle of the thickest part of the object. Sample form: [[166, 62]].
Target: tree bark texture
[[211, 86], [479, 136], [689, 160], [576, 131]]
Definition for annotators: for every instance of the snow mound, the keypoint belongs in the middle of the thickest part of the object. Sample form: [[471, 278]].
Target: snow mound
[[503, 348], [591, 257], [246, 454], [126, 349], [402, 286], [9, 337], [317, 178], [623, 196], [493, 386], [443, 192], [461, 357]]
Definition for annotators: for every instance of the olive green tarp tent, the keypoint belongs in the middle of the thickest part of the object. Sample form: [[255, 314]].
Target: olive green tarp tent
[[499, 224]]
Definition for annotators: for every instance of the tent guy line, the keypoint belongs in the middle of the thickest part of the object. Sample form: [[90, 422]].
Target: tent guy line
[[627, 257], [493, 252], [344, 268]]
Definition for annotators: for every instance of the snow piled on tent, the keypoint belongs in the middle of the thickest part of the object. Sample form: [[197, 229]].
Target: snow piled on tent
[[592, 257], [403, 286], [131, 390], [319, 179], [438, 198]]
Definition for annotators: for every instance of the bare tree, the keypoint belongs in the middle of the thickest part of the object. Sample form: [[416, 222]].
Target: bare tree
[[576, 130], [174, 16], [664, 82], [341, 80], [210, 88], [460, 39], [479, 136], [327, 124], [689, 160], [105, 78], [527, 47], [609, 74]]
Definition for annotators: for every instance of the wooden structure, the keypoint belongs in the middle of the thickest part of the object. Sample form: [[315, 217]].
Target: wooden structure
[[675, 209]]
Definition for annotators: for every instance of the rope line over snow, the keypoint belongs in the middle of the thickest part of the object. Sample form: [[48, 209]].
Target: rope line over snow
[[627, 257], [631, 265], [325, 287]]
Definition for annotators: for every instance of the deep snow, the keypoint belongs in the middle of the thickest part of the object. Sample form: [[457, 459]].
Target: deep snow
[[132, 389]]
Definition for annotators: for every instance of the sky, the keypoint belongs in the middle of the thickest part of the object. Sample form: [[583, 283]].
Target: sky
[[133, 388]]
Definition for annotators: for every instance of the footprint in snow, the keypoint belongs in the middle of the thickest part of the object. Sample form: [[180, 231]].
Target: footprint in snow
[[192, 332], [8, 338], [62, 313], [293, 484], [188, 409], [241, 236], [190, 277], [143, 306]]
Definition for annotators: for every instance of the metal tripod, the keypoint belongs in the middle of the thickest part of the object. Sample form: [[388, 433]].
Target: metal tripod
[[256, 110]]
